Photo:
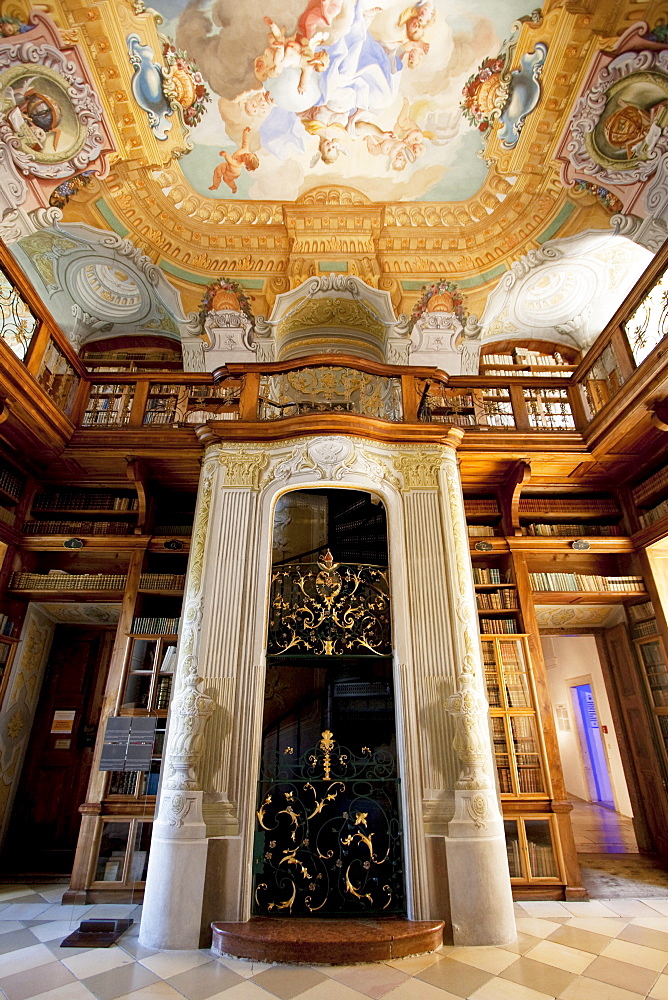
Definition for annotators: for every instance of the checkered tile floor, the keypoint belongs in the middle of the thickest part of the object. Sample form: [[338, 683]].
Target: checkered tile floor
[[603, 950]]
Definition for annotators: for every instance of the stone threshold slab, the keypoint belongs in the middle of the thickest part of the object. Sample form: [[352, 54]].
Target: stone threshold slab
[[314, 941]]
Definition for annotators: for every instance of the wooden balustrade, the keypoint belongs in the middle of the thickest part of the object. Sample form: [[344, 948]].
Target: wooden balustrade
[[256, 393]]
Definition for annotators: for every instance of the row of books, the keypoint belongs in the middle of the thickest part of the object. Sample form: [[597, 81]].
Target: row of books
[[572, 530], [656, 482], [155, 626], [505, 782], [530, 780], [10, 483], [476, 506], [77, 527], [498, 626], [123, 782], [487, 574], [554, 505], [480, 530], [6, 626], [108, 388], [78, 500], [163, 692], [640, 629], [513, 849], [587, 582], [655, 514], [173, 529], [541, 860], [7, 516], [68, 581], [526, 370], [638, 612], [106, 416], [161, 581], [497, 600]]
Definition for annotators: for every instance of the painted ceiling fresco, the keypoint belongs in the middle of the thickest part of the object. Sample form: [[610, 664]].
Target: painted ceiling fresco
[[514, 160], [366, 93]]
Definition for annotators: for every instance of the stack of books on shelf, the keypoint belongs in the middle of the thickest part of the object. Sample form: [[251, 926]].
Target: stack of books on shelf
[[522, 359], [640, 629], [75, 500], [541, 860], [572, 530], [7, 516], [513, 851], [77, 527], [475, 508], [567, 505], [123, 782], [164, 691], [59, 580], [161, 581], [531, 780], [655, 514], [498, 626], [586, 582], [480, 530], [155, 626], [173, 529], [658, 481], [505, 783], [497, 600], [10, 483], [6, 626], [639, 612], [484, 575]]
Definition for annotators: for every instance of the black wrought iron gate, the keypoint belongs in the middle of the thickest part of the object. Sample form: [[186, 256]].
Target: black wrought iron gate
[[328, 840]]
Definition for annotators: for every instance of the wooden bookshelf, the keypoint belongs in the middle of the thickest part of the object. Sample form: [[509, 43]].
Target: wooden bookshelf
[[483, 516], [533, 857], [653, 665], [113, 850], [570, 516]]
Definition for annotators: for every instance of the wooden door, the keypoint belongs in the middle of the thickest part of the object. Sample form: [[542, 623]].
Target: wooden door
[[643, 762], [45, 820]]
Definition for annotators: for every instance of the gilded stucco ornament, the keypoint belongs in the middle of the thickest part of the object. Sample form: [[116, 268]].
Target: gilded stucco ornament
[[331, 459], [243, 467]]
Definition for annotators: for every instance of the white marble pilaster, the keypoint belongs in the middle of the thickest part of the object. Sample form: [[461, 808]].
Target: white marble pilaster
[[172, 911], [481, 906]]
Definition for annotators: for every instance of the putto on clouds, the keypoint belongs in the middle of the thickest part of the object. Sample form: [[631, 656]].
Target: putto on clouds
[[341, 91]]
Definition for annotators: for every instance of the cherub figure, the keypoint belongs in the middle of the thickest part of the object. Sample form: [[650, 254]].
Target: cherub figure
[[412, 53], [402, 145], [415, 20], [287, 52], [231, 168], [330, 127]]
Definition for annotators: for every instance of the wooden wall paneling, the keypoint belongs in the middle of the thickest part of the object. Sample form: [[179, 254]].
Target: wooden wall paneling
[[612, 679], [639, 731]]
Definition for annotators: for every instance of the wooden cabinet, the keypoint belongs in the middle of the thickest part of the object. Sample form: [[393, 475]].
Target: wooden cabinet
[[532, 855]]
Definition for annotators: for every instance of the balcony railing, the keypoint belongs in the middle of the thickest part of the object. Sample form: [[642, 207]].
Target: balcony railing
[[316, 388]]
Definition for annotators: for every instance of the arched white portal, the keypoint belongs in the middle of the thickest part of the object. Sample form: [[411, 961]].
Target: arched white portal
[[200, 867]]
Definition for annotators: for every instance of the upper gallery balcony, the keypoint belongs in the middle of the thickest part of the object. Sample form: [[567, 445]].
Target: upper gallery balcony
[[49, 394]]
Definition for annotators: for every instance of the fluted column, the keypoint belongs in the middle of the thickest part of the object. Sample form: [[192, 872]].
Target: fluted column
[[479, 883], [177, 864], [201, 838]]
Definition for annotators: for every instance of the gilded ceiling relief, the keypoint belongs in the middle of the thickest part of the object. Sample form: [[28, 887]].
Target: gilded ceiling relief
[[404, 143]]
